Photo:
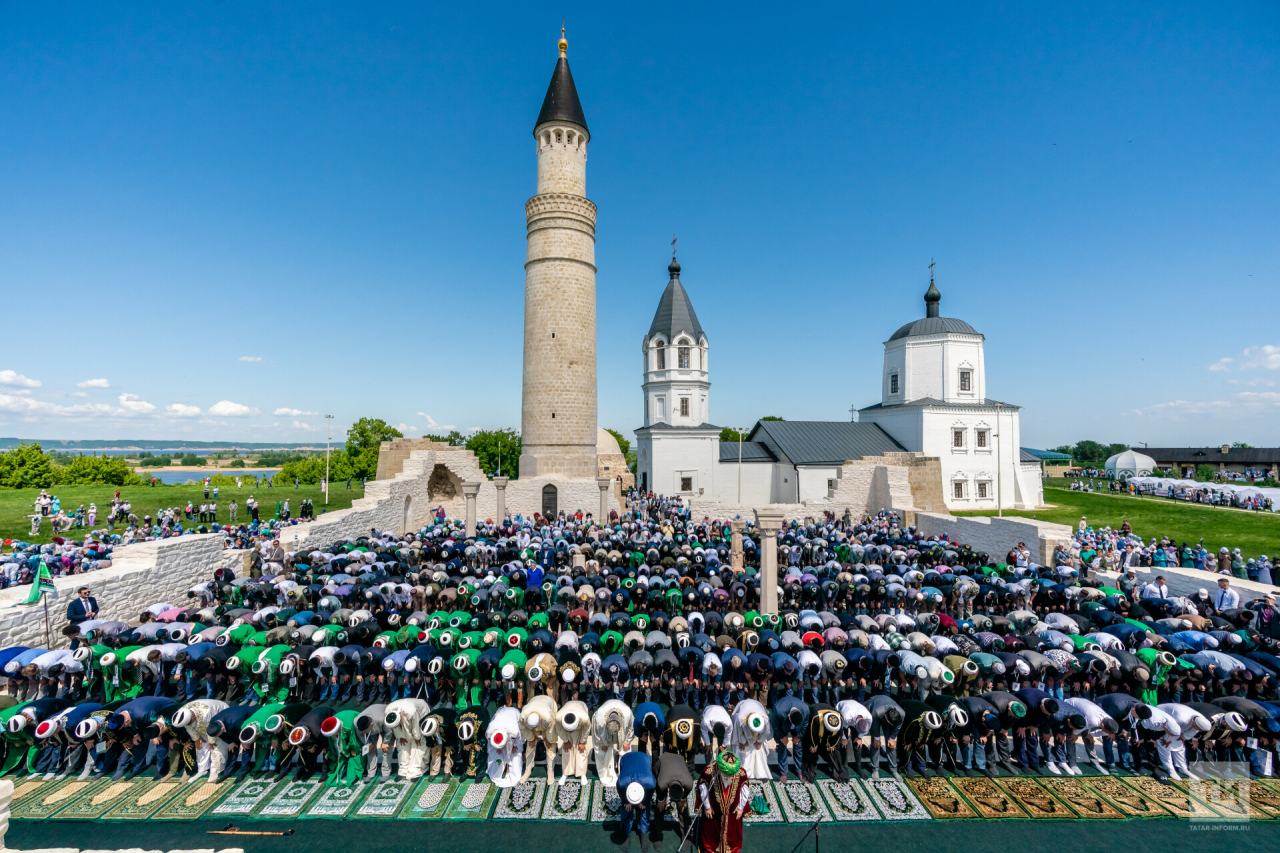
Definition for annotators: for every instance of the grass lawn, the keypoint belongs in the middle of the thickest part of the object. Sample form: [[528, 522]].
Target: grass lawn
[[1253, 533], [17, 505]]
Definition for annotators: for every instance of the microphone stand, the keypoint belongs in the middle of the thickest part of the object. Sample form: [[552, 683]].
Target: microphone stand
[[817, 838]]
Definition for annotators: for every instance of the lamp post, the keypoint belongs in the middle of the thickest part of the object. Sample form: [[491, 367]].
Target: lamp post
[[999, 467], [328, 438], [739, 466]]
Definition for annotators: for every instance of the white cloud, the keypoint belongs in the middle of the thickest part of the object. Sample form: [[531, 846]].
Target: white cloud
[[1253, 383], [27, 406], [137, 405], [292, 413], [1222, 364], [301, 425], [180, 410], [406, 428], [17, 380], [78, 394], [433, 426], [1244, 404], [228, 409], [1266, 357], [250, 358], [94, 383]]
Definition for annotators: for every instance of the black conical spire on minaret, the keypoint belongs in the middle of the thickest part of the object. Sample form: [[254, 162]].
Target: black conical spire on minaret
[[931, 296], [561, 102]]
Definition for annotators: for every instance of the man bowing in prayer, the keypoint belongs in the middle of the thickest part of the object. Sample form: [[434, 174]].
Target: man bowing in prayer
[[724, 795]]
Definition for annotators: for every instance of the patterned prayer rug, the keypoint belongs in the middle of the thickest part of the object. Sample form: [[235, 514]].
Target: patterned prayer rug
[[195, 799], [1035, 800], [773, 814], [569, 801], [24, 788], [429, 800], [801, 802], [848, 802], [1231, 798], [605, 803], [1174, 799], [942, 800], [895, 800], [386, 798], [472, 801], [989, 799], [336, 802], [1086, 802], [141, 803], [48, 799], [522, 801], [289, 801], [97, 801], [1265, 796], [245, 797], [1128, 800]]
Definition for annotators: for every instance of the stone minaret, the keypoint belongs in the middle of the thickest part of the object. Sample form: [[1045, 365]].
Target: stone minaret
[[558, 410]]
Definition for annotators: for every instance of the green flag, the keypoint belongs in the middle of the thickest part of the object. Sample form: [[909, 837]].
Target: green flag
[[42, 584]]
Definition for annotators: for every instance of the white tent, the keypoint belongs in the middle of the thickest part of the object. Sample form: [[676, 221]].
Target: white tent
[[1130, 463]]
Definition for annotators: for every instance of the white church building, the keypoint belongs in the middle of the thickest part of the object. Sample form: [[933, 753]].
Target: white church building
[[933, 401]]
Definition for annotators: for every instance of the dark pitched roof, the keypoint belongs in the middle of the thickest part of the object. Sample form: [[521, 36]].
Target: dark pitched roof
[[1025, 455], [752, 451], [934, 402], [675, 312], [561, 102], [1213, 455], [933, 326], [818, 442]]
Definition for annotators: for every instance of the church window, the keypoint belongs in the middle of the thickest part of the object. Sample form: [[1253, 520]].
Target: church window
[[957, 489], [966, 380], [662, 409], [684, 407], [831, 485], [684, 358], [662, 356], [893, 383], [957, 438], [984, 490], [982, 439], [686, 484]]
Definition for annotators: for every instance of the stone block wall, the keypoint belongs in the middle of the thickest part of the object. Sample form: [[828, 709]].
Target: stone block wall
[[997, 535], [393, 454]]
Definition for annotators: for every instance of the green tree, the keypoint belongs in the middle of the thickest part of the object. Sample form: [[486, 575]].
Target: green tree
[[729, 434], [192, 460], [95, 470], [495, 446], [1204, 473], [363, 440], [26, 466], [772, 418], [236, 463], [1241, 445], [309, 470], [155, 461]]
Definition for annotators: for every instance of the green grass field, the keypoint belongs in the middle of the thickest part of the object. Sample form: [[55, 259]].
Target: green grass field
[[1253, 533], [17, 505]]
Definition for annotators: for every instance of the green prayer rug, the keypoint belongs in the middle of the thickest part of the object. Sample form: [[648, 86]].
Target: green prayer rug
[[1128, 800], [141, 803], [771, 814], [386, 798], [988, 799], [1174, 799], [1083, 800], [943, 801], [848, 801], [472, 801], [429, 800], [195, 799], [801, 802], [895, 800], [336, 802], [46, 800], [605, 802], [570, 801], [522, 801], [289, 801], [244, 798], [23, 788], [97, 801], [1035, 800]]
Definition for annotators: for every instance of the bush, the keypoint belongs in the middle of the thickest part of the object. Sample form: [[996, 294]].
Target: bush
[[26, 466], [225, 481], [155, 461], [1204, 473], [95, 470], [192, 460], [309, 471], [236, 463]]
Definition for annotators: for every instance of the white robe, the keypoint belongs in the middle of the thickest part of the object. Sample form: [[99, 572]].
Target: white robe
[[574, 746], [608, 747], [506, 762], [751, 746], [411, 745]]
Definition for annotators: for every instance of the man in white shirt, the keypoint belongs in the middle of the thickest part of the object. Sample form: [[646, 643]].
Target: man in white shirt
[[1157, 589], [1225, 598]]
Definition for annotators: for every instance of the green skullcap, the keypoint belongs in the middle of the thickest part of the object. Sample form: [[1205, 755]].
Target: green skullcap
[[728, 762], [1017, 709]]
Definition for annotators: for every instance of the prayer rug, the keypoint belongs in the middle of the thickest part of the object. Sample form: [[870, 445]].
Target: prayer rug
[[48, 799], [1231, 798], [141, 803], [336, 802], [989, 799], [605, 802], [773, 814], [1035, 800], [472, 801], [1085, 801], [429, 800], [569, 801], [23, 788], [386, 798], [95, 802], [801, 802], [194, 800], [895, 800], [289, 801], [245, 797], [942, 800], [522, 801], [1174, 799], [1130, 801], [1265, 796], [848, 801]]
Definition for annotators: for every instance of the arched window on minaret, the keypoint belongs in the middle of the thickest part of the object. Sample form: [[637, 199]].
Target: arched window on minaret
[[683, 358], [662, 356]]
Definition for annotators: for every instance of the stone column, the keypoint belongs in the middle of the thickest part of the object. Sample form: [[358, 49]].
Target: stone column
[[469, 491], [605, 484], [500, 483], [735, 543], [769, 522]]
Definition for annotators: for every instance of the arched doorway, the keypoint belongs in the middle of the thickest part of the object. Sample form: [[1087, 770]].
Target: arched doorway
[[549, 504], [408, 517]]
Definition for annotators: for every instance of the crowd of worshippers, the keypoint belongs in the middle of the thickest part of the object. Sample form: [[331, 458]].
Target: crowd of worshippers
[[1107, 549], [572, 645]]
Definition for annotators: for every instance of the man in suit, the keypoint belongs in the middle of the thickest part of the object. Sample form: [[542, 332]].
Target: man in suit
[[81, 608]]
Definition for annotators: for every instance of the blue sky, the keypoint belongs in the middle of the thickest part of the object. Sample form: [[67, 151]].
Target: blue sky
[[223, 220]]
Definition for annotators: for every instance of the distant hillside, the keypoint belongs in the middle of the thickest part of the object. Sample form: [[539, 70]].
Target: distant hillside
[[148, 444]]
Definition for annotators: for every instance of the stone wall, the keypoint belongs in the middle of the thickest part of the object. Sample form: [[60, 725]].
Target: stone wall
[[141, 574], [997, 535], [394, 453]]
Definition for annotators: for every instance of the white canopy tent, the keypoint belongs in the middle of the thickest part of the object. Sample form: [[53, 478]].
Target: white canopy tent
[[1130, 463]]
